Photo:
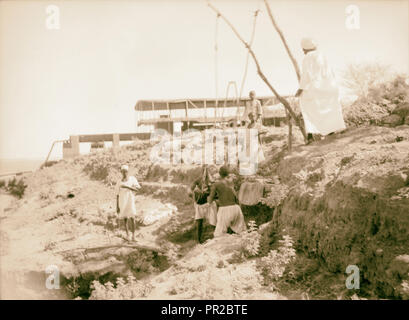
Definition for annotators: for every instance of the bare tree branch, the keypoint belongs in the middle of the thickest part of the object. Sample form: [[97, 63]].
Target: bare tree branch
[[296, 68], [280, 33]]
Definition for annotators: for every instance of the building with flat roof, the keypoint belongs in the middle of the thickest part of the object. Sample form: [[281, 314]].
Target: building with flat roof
[[180, 114]]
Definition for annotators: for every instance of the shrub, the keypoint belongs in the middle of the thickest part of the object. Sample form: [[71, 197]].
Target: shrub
[[16, 188], [179, 195], [377, 100], [142, 262], [394, 91], [100, 173], [259, 213], [249, 244], [364, 112], [98, 145], [129, 289], [273, 265], [251, 241], [360, 78], [139, 145], [269, 238], [156, 172], [97, 170], [404, 287], [2, 183], [276, 195], [186, 177]]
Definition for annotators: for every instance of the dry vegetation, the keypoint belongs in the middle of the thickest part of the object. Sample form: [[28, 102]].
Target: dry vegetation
[[382, 97], [340, 201]]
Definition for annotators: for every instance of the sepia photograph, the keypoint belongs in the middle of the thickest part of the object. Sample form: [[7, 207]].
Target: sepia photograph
[[204, 153]]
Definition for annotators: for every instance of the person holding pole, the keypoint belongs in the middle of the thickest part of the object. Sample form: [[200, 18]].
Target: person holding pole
[[319, 93], [200, 190]]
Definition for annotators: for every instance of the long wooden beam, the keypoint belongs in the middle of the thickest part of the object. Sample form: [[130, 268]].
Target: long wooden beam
[[146, 105], [280, 33], [293, 61], [110, 137]]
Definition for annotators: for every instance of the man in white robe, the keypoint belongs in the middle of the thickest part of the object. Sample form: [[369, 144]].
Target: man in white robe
[[125, 200], [319, 93]]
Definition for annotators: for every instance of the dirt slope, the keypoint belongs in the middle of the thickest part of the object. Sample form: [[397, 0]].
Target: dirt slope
[[63, 214], [343, 200], [347, 203]]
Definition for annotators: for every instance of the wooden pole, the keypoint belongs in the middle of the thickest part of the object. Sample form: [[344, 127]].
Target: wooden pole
[[49, 153], [294, 62], [280, 33], [290, 131], [260, 73]]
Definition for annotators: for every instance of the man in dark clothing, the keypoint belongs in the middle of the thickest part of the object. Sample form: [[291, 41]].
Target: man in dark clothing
[[229, 213], [203, 209]]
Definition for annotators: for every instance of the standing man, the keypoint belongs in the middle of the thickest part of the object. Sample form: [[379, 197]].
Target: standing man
[[319, 94], [200, 191], [125, 200], [253, 110]]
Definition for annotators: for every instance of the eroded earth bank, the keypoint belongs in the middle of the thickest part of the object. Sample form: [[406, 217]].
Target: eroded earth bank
[[337, 202]]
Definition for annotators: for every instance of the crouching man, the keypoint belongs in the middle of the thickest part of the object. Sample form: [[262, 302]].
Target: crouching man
[[125, 200], [229, 214]]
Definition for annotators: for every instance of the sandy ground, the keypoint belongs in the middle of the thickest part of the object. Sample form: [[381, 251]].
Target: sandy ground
[[205, 273], [48, 228], [65, 220]]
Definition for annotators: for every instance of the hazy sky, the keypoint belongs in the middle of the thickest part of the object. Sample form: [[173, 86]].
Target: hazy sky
[[86, 76]]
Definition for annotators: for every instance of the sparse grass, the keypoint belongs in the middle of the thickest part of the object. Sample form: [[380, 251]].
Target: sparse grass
[[50, 245], [156, 172], [81, 286], [96, 171], [315, 177], [111, 285], [48, 164], [346, 160], [185, 177], [179, 195], [123, 289], [143, 262], [16, 187]]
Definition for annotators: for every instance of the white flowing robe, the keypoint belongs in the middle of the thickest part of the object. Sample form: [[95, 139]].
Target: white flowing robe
[[319, 101], [127, 208]]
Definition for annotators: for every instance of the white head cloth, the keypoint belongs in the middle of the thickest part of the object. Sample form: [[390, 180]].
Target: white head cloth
[[124, 167], [308, 44]]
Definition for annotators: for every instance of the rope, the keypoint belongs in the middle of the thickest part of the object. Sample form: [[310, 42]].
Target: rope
[[248, 53], [231, 83], [216, 63]]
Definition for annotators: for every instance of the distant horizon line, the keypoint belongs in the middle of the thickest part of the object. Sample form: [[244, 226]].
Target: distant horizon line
[[21, 158]]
